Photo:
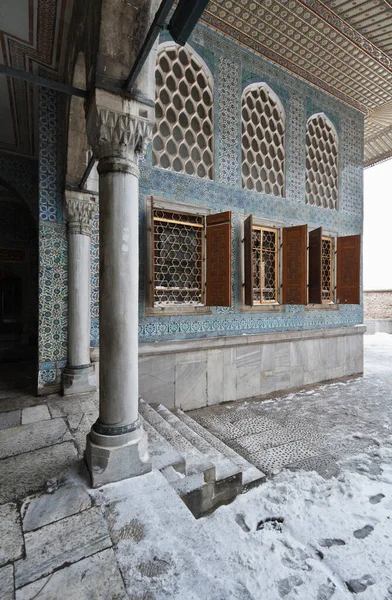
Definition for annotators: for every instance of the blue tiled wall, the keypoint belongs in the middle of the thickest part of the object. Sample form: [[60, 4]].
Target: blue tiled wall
[[233, 68], [53, 250]]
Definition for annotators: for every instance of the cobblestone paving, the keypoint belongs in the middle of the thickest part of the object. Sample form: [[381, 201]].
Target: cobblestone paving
[[313, 428]]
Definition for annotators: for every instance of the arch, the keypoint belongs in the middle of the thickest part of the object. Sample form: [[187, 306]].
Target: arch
[[263, 140], [184, 130], [78, 147], [321, 162]]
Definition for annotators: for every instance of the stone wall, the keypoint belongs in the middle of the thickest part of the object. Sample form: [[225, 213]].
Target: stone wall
[[378, 304], [192, 374]]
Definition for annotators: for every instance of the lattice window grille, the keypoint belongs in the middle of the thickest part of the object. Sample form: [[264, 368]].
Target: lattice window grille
[[183, 133], [178, 258], [265, 265], [263, 141], [321, 163], [326, 270]]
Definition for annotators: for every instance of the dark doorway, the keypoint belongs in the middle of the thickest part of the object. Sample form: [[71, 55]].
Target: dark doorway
[[18, 295]]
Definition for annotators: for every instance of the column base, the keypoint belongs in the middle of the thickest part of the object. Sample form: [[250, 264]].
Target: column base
[[79, 380], [112, 458]]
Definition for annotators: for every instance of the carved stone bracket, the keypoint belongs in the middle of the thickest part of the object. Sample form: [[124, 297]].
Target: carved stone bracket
[[119, 128], [80, 210]]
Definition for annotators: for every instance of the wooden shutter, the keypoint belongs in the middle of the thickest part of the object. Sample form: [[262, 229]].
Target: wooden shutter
[[218, 279], [348, 269], [315, 265], [294, 264], [152, 242], [248, 258]]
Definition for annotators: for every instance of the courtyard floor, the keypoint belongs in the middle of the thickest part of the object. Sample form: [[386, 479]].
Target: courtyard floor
[[319, 528]]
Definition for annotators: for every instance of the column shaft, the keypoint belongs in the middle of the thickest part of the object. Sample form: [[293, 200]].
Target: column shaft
[[79, 375], [79, 300], [119, 269]]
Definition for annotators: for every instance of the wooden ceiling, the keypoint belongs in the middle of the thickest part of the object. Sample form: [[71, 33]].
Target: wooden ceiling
[[344, 47]]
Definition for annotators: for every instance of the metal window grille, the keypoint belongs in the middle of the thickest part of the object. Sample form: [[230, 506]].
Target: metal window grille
[[265, 265], [321, 163], [326, 270], [263, 141], [183, 134], [178, 258]]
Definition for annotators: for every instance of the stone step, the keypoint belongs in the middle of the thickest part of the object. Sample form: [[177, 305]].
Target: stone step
[[251, 475], [162, 453], [195, 462], [225, 468]]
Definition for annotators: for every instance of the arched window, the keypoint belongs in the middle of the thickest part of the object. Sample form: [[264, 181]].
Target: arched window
[[263, 140], [183, 134], [321, 162]]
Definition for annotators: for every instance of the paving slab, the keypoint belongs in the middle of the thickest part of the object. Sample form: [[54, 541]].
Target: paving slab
[[42, 509], [66, 541], [26, 438], [16, 401], [27, 473], [94, 578], [11, 537], [33, 414], [80, 425], [7, 583], [9, 419]]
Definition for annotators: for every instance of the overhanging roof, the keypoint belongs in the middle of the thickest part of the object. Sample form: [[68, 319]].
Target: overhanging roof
[[344, 47]]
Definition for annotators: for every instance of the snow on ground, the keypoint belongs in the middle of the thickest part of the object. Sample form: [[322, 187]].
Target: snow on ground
[[299, 536]]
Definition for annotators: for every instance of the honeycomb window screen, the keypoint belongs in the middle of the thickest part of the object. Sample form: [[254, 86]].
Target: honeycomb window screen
[[263, 141], [178, 258], [326, 270], [321, 163], [183, 134], [265, 265]]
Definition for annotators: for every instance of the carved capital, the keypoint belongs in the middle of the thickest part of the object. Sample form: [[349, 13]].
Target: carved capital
[[80, 209], [119, 128]]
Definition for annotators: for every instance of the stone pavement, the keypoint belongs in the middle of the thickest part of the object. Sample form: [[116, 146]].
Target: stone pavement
[[60, 539], [313, 428]]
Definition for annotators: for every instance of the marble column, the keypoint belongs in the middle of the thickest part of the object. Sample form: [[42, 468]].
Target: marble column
[[117, 444], [79, 375]]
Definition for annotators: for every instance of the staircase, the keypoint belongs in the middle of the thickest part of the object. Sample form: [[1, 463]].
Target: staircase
[[204, 472]]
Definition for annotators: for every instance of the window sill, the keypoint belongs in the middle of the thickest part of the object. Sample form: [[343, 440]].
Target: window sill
[[325, 306], [166, 311], [262, 308]]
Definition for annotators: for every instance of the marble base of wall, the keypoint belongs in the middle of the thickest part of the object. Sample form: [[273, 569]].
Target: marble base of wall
[[378, 326], [191, 374]]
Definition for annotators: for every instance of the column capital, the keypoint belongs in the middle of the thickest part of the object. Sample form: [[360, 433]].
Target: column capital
[[80, 209], [119, 128]]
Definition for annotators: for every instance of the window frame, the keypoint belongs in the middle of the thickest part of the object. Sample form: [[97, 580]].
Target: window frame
[[261, 223], [195, 56], [183, 208], [329, 122], [326, 304]]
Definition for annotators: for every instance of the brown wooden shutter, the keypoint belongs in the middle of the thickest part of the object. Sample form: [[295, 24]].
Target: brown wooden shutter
[[248, 257], [348, 269], [218, 279], [294, 264], [315, 266], [152, 240]]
